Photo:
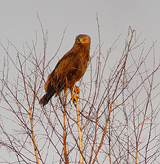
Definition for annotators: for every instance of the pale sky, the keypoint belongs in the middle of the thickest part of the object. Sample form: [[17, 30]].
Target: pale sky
[[19, 23]]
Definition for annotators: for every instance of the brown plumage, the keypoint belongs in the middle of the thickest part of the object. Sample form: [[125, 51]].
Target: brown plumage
[[69, 69]]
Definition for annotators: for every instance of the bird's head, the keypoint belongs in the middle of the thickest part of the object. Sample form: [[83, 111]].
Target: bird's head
[[83, 39]]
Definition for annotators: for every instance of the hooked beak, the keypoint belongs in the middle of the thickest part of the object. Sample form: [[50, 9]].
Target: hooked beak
[[79, 41]]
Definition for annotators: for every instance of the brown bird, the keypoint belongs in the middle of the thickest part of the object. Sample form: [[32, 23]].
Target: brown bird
[[70, 68]]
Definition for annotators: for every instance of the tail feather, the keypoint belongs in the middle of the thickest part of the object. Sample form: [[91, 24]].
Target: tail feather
[[44, 100]]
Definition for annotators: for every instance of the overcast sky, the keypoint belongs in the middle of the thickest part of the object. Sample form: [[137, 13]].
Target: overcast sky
[[19, 22]]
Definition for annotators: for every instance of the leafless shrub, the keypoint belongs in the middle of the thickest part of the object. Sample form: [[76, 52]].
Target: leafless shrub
[[119, 109]]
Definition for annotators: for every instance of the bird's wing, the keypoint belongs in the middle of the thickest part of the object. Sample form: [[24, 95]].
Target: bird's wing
[[65, 62]]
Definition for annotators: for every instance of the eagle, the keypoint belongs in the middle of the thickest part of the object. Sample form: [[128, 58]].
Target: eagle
[[69, 69]]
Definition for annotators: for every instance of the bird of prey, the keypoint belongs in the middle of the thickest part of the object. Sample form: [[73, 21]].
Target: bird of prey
[[70, 68]]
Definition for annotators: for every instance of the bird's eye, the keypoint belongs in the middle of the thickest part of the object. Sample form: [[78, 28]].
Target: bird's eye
[[84, 40]]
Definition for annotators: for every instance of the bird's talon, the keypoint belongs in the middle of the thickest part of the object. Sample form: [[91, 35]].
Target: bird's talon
[[75, 93]]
